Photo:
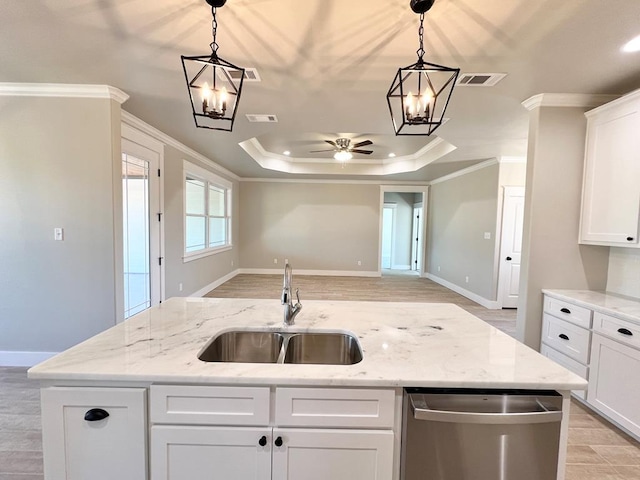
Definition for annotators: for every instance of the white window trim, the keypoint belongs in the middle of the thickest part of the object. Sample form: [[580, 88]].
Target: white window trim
[[189, 168]]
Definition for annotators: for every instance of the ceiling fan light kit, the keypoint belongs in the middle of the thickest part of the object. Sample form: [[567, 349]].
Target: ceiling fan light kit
[[420, 93], [214, 84]]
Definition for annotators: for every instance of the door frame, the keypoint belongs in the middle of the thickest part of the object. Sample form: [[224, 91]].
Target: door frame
[[507, 191], [424, 190], [393, 207], [131, 134]]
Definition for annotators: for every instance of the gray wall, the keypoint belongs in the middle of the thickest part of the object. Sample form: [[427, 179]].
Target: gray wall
[[551, 255], [461, 209], [316, 226], [196, 274], [403, 227], [57, 161]]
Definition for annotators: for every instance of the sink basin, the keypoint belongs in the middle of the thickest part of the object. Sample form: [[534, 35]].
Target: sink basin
[[323, 348], [252, 346], [243, 346]]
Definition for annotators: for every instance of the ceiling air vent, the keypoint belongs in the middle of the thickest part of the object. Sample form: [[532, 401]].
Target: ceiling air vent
[[480, 79], [250, 75], [257, 117]]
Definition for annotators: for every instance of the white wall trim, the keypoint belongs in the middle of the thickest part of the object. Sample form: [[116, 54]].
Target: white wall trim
[[62, 90], [141, 125], [215, 284], [24, 359], [324, 273], [584, 100], [486, 303], [328, 181], [465, 171]]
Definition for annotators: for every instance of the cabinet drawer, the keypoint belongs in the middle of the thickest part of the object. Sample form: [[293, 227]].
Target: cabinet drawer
[[568, 311], [209, 405], [326, 407], [621, 330], [568, 363], [566, 337]]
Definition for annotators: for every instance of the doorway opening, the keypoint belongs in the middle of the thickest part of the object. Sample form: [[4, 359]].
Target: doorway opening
[[402, 230]]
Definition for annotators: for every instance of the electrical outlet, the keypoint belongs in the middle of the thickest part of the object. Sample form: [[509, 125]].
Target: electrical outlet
[[359, 263], [232, 263], [438, 267], [487, 235], [180, 287], [466, 279], [286, 260], [275, 261]]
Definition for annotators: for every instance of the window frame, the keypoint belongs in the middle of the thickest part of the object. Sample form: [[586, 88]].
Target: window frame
[[210, 179]]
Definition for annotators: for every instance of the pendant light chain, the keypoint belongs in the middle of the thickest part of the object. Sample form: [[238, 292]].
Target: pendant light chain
[[420, 51], [214, 31]]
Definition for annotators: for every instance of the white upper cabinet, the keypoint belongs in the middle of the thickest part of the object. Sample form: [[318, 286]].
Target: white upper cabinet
[[611, 188]]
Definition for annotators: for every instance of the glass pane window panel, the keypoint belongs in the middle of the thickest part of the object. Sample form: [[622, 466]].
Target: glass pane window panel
[[195, 196], [195, 234], [216, 201], [217, 231]]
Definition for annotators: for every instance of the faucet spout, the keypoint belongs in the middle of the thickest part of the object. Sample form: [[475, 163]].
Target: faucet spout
[[290, 310]]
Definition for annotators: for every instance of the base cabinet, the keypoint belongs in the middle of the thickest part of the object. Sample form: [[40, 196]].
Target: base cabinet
[[94, 433], [614, 385]]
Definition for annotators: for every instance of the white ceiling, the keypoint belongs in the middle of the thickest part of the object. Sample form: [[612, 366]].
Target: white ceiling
[[326, 66]]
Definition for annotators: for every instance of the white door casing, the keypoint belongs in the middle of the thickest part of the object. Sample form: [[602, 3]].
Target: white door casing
[[511, 246]]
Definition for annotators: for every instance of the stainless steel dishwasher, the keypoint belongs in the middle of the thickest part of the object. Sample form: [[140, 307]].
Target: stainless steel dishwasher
[[460, 434]]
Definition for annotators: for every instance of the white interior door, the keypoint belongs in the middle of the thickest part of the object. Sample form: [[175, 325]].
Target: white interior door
[[141, 228], [388, 234], [511, 246]]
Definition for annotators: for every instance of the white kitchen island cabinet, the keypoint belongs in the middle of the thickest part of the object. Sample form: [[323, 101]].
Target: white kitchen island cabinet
[[611, 185], [276, 421], [94, 433]]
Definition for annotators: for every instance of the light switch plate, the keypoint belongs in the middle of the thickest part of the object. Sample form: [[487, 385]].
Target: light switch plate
[[58, 234]]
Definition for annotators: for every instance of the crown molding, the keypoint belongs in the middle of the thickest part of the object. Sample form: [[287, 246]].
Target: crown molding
[[62, 90], [335, 181], [153, 132], [465, 171], [584, 100]]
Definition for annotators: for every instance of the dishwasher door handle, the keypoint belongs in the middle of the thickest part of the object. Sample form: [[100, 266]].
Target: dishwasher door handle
[[425, 413]]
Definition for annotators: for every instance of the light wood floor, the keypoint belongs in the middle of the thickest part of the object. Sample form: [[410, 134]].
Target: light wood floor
[[597, 449]]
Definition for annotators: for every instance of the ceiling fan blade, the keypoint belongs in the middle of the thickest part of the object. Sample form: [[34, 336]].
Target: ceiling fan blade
[[366, 152], [331, 142], [363, 143], [318, 151]]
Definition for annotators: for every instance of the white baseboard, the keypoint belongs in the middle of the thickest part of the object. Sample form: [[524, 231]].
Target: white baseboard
[[486, 303], [24, 359], [204, 290], [325, 273]]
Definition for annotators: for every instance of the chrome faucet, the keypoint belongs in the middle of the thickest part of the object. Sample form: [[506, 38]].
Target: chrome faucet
[[290, 310]]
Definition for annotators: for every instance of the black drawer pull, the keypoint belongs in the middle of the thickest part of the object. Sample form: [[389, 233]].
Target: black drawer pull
[[565, 310], [95, 414], [563, 336], [624, 331], [629, 239]]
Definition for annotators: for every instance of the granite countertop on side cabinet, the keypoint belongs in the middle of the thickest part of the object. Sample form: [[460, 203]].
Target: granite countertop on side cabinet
[[619, 306], [404, 344]]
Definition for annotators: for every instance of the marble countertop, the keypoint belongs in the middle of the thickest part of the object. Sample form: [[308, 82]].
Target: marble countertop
[[608, 303], [404, 344]]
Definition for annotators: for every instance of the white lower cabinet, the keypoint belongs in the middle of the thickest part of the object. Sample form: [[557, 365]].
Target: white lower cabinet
[[614, 384], [94, 433], [314, 433]]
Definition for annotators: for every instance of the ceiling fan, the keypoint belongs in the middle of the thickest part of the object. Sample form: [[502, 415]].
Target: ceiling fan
[[344, 149]]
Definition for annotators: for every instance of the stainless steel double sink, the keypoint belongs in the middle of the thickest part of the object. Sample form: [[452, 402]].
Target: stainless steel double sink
[[257, 346]]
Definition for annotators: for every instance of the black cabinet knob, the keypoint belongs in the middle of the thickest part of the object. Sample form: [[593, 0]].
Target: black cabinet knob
[[630, 239], [563, 336], [262, 441], [626, 332], [95, 414], [509, 258], [278, 442]]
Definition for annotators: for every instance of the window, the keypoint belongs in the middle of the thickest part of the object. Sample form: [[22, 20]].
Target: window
[[207, 212]]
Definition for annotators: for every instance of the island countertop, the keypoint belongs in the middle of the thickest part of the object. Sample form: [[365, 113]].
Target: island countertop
[[403, 344]]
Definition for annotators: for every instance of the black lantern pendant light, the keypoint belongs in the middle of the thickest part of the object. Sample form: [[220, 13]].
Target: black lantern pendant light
[[420, 93], [214, 84]]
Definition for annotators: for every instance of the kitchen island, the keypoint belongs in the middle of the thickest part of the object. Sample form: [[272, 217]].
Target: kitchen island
[[174, 415]]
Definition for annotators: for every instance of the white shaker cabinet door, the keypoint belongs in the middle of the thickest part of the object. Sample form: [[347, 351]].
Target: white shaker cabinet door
[[614, 381], [192, 452], [611, 189], [310, 454], [94, 433]]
